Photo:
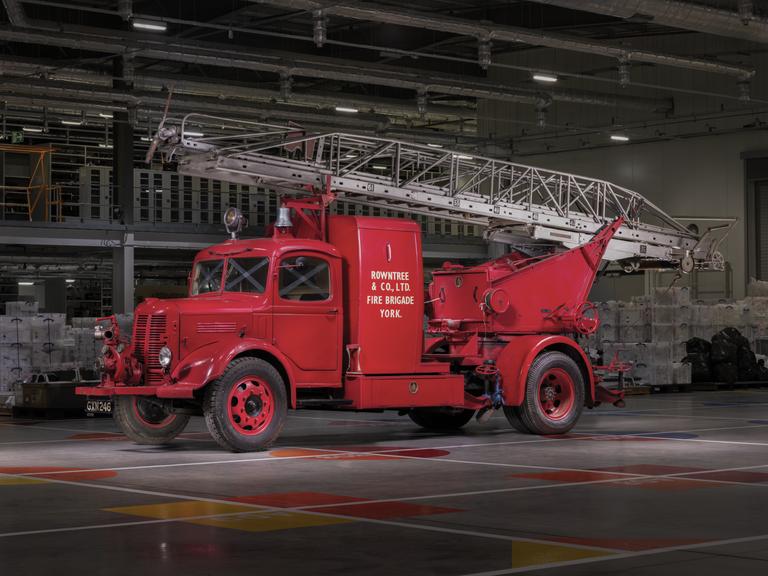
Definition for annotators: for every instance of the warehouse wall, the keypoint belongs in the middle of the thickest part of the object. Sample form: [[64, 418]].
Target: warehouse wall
[[701, 177]]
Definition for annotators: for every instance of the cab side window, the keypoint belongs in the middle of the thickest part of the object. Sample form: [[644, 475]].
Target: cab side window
[[304, 279]]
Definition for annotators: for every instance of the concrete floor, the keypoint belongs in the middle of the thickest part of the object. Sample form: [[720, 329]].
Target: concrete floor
[[672, 484]]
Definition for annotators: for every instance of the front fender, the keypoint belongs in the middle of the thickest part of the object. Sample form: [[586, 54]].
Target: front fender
[[209, 362], [516, 358]]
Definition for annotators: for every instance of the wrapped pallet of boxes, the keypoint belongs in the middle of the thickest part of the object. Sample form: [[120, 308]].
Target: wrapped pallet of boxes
[[672, 296], [633, 323]]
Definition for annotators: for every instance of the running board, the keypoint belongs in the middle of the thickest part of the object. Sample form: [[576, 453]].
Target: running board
[[322, 403]]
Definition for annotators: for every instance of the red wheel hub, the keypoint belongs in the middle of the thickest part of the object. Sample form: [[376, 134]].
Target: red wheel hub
[[251, 406], [556, 393], [150, 414]]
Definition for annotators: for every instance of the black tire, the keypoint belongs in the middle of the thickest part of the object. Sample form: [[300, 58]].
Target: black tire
[[246, 407], [145, 422], [554, 394], [515, 419], [441, 418]]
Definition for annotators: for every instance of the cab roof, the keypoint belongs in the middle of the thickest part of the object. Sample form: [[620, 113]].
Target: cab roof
[[265, 247]]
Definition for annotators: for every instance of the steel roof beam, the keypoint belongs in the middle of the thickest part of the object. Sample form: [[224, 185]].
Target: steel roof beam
[[488, 31]]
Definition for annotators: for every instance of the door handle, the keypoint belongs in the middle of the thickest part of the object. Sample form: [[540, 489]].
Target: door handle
[[333, 311]]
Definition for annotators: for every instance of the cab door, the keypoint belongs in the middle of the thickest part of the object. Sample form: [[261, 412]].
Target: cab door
[[307, 315]]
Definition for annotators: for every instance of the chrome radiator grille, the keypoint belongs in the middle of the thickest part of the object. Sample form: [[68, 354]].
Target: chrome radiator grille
[[148, 338]]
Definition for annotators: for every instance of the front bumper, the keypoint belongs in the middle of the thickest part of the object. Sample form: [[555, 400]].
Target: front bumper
[[174, 391]]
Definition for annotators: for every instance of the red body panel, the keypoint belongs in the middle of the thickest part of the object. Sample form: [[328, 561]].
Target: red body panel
[[408, 391]]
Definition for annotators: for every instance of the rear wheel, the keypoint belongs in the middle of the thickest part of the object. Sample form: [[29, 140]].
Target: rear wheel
[[554, 395], [246, 407], [441, 418], [145, 421]]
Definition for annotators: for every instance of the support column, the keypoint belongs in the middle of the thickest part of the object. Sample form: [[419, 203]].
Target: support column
[[122, 142], [55, 295], [122, 277]]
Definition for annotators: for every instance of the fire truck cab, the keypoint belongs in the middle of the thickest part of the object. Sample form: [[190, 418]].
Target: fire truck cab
[[330, 313]]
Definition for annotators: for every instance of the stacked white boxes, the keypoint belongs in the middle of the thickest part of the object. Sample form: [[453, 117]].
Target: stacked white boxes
[[31, 341], [651, 332]]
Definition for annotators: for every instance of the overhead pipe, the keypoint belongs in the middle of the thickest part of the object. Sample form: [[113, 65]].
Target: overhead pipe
[[676, 14], [358, 72], [485, 32], [183, 85]]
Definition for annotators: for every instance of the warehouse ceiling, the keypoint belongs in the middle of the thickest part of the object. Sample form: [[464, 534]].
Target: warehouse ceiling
[[434, 71]]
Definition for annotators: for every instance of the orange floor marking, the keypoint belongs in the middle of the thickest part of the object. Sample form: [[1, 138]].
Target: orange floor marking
[[72, 474], [363, 453]]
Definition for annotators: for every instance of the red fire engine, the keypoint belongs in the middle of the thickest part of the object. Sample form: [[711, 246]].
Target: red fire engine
[[328, 311]]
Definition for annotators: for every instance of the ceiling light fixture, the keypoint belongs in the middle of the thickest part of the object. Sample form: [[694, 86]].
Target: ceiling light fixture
[[464, 157], [25, 283], [71, 122], [619, 138], [106, 115], [193, 134], [434, 145], [346, 109], [35, 130], [70, 280], [545, 78], [153, 25]]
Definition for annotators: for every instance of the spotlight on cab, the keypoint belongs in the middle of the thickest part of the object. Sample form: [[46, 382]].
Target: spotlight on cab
[[234, 221]]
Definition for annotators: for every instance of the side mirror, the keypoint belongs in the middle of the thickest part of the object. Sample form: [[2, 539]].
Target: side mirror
[[301, 261]]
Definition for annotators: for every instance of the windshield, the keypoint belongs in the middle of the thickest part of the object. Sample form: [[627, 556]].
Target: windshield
[[207, 277], [247, 275]]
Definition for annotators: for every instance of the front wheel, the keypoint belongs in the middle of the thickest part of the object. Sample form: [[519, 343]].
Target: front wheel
[[554, 395], [246, 407], [145, 421], [441, 418]]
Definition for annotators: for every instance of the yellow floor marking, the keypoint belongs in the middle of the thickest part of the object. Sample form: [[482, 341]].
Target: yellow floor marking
[[251, 520], [533, 553], [11, 481], [180, 509], [268, 521]]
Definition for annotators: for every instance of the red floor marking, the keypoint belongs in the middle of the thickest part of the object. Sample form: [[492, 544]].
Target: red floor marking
[[649, 469], [72, 475], [383, 510], [97, 436], [619, 438], [295, 499], [634, 544], [568, 476], [662, 484], [734, 476], [369, 453]]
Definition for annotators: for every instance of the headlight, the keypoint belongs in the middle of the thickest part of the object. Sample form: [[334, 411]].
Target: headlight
[[164, 356]]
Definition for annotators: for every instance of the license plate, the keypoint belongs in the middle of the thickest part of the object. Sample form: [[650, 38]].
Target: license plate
[[98, 406]]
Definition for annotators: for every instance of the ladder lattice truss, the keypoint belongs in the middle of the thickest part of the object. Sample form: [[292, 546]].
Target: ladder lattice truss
[[512, 200]]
